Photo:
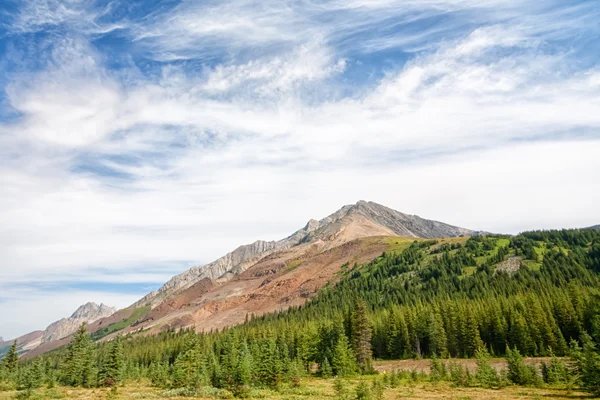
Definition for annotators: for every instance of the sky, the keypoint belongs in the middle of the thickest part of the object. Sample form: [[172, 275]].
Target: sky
[[139, 138]]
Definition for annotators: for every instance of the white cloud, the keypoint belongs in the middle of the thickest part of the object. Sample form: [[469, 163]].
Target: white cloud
[[110, 179]]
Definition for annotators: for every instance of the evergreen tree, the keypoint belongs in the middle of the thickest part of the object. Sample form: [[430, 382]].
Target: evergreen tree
[[187, 368], [587, 361], [113, 367], [343, 362], [361, 337], [518, 372], [325, 369], [486, 374], [11, 359], [79, 367]]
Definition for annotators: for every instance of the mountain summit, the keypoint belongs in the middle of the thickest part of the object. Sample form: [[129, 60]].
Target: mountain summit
[[86, 313], [353, 221]]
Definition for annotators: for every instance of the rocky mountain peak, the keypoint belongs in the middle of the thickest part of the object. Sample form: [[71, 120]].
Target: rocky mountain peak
[[91, 310], [87, 313], [352, 221]]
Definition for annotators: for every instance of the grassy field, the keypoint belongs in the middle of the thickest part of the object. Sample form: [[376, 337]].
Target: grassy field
[[308, 389]]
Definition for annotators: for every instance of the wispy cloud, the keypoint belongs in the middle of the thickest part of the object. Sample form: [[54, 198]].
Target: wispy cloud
[[196, 127]]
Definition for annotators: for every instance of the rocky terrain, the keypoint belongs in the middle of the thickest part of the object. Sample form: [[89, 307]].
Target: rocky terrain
[[86, 313], [363, 219], [61, 329]]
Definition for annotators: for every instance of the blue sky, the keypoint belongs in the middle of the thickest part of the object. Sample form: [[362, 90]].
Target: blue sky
[[138, 138]]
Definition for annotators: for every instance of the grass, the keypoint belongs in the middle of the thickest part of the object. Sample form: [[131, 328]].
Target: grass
[[309, 389], [294, 264], [117, 326], [397, 244]]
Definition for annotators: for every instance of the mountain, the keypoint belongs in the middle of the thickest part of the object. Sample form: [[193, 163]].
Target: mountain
[[267, 276], [60, 329], [596, 227], [86, 313], [363, 219]]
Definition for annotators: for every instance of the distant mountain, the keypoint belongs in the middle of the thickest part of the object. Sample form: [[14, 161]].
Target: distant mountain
[[596, 227], [363, 219], [86, 313]]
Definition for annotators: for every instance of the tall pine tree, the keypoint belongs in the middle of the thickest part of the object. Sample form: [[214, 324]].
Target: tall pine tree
[[361, 337]]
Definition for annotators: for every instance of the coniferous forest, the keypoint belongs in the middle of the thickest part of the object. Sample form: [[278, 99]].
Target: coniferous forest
[[535, 294]]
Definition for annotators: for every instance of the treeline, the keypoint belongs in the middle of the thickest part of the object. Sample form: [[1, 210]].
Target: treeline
[[439, 300]]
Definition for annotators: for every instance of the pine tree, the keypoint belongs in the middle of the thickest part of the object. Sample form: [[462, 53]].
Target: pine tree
[[587, 361], [188, 367], [79, 367], [343, 362], [245, 366], [158, 374], [11, 359], [113, 368], [325, 369], [486, 374], [361, 337]]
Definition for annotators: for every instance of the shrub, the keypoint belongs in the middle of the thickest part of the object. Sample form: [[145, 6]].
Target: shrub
[[458, 375], [362, 391]]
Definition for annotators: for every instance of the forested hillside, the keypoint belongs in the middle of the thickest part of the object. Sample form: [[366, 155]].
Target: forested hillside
[[537, 293]]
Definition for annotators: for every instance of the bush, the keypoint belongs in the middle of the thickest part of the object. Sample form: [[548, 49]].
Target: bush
[[438, 370], [377, 390], [362, 391], [459, 375], [341, 389]]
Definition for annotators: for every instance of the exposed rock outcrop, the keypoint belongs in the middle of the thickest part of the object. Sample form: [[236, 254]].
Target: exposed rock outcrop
[[87, 313]]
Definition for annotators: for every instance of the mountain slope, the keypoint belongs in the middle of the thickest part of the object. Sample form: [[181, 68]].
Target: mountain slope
[[363, 219], [87, 313]]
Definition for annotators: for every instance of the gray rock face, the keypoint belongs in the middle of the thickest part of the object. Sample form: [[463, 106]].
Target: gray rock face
[[245, 256], [232, 263], [87, 313]]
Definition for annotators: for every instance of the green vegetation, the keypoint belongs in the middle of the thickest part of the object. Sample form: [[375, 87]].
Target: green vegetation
[[117, 326], [416, 303]]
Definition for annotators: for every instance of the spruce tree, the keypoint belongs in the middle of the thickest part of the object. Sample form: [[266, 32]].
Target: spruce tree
[[361, 337], [11, 359], [187, 368], [113, 367], [79, 367], [587, 361], [343, 361], [486, 375]]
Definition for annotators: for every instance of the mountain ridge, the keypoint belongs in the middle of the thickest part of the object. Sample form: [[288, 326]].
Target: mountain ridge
[[362, 219], [64, 327]]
